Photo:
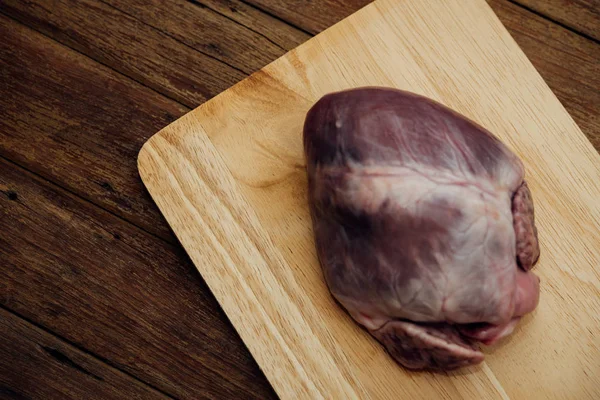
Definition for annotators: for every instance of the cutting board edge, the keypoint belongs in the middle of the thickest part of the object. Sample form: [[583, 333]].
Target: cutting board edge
[[253, 76], [297, 385]]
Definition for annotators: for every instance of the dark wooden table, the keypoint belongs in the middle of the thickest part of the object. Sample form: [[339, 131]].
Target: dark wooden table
[[98, 300]]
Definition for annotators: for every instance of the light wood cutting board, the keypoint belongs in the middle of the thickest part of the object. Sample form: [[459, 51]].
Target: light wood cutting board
[[229, 178]]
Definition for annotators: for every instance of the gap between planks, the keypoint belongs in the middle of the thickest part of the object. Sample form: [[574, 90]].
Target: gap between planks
[[199, 3], [555, 21], [33, 325]]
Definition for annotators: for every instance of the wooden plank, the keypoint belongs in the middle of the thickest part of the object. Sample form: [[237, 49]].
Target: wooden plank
[[128, 46], [124, 295], [276, 30], [568, 62], [206, 30], [311, 16], [78, 123], [35, 364], [258, 254], [580, 15]]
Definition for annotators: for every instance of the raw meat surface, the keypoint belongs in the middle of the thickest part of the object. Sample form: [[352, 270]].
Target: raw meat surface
[[423, 223]]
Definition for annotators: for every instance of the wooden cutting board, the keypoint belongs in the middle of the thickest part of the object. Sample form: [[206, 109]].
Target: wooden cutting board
[[230, 180]]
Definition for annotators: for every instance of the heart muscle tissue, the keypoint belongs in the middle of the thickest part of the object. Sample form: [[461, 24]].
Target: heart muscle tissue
[[423, 222]]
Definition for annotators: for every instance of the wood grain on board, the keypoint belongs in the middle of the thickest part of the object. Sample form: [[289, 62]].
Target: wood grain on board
[[215, 176], [122, 294], [580, 15], [37, 365]]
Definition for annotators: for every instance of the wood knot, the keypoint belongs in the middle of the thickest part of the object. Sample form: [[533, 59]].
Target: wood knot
[[107, 186]]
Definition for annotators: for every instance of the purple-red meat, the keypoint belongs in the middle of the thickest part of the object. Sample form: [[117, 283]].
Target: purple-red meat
[[423, 223]]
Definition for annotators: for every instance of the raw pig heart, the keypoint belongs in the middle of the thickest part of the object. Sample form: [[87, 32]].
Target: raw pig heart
[[423, 223]]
